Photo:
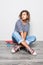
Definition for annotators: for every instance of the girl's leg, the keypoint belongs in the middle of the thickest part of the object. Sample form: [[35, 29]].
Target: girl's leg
[[21, 41], [16, 38], [30, 39], [27, 47]]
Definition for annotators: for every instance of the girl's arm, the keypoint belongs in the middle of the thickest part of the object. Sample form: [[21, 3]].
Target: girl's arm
[[23, 35]]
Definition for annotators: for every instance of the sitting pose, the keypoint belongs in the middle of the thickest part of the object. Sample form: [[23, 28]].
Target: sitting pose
[[20, 34]]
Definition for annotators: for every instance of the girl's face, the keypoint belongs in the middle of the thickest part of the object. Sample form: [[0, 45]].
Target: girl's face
[[24, 16]]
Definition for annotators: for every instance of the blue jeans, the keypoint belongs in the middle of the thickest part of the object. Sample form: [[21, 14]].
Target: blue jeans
[[18, 39]]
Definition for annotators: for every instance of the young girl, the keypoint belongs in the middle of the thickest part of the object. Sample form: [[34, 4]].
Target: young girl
[[20, 34]]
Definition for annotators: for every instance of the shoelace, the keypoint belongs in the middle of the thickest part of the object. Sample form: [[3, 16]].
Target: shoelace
[[16, 48]]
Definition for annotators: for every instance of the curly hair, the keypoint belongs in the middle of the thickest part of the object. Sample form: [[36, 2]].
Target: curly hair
[[27, 12]]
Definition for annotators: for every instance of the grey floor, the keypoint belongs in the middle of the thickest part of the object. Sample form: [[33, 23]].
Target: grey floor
[[21, 57]]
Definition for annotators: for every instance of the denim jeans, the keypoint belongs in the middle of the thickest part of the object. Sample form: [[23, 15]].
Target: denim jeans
[[18, 39]]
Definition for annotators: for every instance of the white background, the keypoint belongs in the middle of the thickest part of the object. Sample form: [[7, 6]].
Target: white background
[[9, 12]]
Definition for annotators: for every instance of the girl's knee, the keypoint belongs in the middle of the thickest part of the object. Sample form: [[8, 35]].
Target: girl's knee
[[34, 38]]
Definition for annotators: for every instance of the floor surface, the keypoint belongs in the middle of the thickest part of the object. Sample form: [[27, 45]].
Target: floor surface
[[21, 57]]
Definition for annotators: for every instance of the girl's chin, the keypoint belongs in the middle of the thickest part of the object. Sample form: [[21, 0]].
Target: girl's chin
[[24, 19]]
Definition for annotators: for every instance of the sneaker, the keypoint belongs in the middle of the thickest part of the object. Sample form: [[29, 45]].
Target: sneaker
[[13, 51], [34, 53]]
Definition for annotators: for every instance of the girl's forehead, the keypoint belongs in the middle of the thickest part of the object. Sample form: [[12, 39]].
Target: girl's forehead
[[24, 13]]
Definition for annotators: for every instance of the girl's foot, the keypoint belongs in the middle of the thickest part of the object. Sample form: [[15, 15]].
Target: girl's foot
[[32, 52], [15, 49]]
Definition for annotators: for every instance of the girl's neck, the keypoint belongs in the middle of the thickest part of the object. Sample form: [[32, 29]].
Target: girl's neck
[[24, 22]]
